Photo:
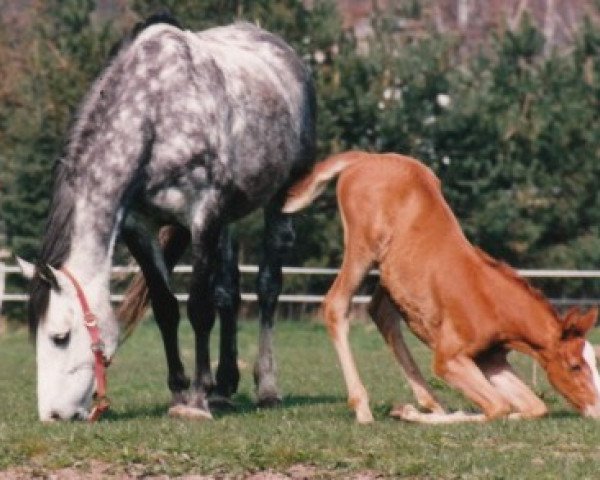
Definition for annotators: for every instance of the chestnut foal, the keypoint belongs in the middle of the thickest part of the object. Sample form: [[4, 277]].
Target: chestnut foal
[[467, 307]]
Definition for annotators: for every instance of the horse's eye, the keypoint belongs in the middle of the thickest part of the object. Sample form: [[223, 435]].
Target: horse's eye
[[575, 367], [61, 339]]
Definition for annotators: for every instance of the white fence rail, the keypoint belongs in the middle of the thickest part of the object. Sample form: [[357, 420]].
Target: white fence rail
[[6, 270]]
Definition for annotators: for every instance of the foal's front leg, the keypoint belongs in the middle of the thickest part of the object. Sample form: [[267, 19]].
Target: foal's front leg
[[463, 373], [501, 375]]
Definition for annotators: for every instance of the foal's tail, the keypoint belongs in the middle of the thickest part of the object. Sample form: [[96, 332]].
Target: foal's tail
[[303, 192]]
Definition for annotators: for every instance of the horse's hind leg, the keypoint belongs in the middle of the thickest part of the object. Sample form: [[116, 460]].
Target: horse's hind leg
[[227, 300], [156, 266], [201, 307], [501, 375], [278, 239], [388, 320]]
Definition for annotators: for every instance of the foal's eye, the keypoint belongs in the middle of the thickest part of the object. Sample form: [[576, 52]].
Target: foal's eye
[[61, 339], [575, 367]]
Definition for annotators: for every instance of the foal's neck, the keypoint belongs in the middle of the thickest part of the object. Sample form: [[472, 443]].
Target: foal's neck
[[531, 321]]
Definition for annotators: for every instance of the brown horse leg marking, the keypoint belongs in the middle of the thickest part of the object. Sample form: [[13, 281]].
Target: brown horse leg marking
[[335, 307], [387, 318], [501, 375], [462, 373]]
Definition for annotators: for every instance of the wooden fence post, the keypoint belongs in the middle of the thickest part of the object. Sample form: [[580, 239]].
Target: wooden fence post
[[2, 279]]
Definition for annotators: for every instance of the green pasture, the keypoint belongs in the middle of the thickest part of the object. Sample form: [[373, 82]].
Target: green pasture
[[312, 428]]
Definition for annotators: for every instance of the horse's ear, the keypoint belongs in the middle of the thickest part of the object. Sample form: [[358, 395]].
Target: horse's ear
[[579, 324], [27, 269], [48, 274]]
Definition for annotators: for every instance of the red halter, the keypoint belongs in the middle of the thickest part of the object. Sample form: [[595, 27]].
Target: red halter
[[101, 402]]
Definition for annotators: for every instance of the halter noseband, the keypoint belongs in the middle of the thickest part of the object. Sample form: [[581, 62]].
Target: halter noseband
[[101, 401]]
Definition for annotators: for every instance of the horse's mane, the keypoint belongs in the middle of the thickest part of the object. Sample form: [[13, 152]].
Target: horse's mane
[[511, 273], [56, 241], [161, 16]]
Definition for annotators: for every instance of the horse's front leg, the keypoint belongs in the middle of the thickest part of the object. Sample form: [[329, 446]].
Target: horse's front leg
[[156, 266], [278, 239]]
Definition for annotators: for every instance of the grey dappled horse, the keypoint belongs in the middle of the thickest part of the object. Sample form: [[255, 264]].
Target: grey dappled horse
[[195, 129]]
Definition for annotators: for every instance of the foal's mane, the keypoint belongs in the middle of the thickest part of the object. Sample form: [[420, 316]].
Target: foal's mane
[[56, 241], [511, 273]]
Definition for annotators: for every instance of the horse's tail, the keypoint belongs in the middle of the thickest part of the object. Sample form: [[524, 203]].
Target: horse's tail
[[134, 304], [303, 192], [136, 298]]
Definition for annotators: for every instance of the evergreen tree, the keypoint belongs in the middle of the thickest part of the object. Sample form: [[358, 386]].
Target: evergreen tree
[[63, 55], [513, 133]]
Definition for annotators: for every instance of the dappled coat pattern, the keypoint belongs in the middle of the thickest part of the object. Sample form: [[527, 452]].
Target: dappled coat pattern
[[190, 128]]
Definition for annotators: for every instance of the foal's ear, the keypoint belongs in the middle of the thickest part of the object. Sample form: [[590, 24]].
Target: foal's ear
[[579, 324], [27, 269]]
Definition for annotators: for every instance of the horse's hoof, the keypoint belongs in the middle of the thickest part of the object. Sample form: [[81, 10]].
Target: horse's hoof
[[191, 413], [220, 402], [270, 402], [179, 398]]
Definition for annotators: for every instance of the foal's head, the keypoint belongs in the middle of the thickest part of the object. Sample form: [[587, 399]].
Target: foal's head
[[566, 364]]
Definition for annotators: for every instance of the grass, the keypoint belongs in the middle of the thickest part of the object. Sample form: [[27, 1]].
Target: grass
[[313, 427]]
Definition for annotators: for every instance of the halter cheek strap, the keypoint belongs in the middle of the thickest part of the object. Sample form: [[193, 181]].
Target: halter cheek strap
[[101, 401]]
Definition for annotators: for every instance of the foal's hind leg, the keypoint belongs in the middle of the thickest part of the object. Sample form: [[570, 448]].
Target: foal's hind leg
[[156, 266], [227, 300], [278, 239], [501, 375], [388, 319], [335, 309]]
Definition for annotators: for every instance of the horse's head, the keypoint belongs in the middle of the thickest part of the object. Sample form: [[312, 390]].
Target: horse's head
[[570, 367], [65, 361]]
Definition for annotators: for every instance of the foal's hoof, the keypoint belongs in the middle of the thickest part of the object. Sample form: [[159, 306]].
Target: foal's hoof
[[270, 402], [191, 413]]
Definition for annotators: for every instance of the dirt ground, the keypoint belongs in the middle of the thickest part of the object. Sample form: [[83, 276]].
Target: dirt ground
[[103, 471]]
